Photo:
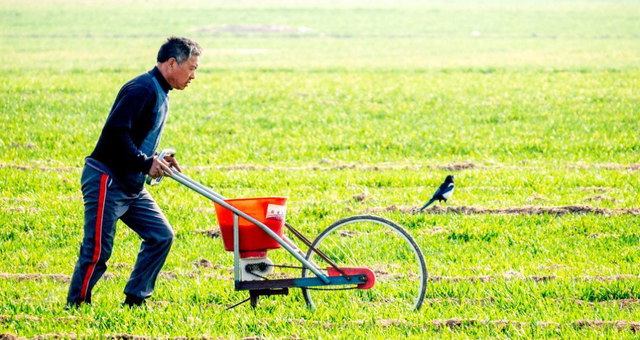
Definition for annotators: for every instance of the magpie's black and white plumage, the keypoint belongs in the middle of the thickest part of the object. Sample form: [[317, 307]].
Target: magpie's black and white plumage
[[443, 193]]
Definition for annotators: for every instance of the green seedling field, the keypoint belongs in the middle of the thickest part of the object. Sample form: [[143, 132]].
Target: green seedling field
[[346, 108]]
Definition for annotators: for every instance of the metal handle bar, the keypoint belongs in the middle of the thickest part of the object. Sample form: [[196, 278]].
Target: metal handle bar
[[155, 181], [198, 185]]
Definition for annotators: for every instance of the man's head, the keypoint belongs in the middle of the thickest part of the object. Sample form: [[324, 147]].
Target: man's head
[[178, 61]]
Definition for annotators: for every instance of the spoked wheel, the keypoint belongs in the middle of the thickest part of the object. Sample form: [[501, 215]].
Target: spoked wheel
[[377, 244]]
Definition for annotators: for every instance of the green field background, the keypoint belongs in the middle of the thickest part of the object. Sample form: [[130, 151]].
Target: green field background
[[346, 108]]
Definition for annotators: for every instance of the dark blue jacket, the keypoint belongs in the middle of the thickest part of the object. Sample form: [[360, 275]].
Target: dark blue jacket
[[133, 129]]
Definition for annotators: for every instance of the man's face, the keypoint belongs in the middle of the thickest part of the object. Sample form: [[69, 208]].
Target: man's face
[[181, 75]]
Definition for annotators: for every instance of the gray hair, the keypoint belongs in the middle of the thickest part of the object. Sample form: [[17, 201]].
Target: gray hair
[[179, 48]]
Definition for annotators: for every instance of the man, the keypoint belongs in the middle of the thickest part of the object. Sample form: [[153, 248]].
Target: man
[[114, 174]]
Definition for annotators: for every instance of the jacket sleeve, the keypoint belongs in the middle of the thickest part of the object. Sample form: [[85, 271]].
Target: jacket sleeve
[[118, 128]]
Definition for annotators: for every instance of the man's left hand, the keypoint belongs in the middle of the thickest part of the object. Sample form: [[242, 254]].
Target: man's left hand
[[171, 159]]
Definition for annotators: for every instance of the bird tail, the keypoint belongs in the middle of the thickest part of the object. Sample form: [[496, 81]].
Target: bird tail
[[427, 204]]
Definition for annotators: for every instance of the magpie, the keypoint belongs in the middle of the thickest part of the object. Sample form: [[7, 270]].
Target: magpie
[[443, 193]]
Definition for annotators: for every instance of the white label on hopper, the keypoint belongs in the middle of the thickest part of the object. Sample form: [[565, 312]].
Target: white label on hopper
[[276, 212]]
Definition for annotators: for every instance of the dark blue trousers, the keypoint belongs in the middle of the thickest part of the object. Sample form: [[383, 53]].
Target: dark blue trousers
[[105, 201]]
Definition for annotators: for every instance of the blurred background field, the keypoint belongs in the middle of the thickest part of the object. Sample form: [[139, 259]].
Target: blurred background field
[[347, 108]]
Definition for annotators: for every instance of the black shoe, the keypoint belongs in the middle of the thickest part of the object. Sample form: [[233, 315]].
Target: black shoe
[[133, 301], [76, 304]]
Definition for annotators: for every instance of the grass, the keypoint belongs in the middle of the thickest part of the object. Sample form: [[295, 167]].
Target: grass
[[369, 106]]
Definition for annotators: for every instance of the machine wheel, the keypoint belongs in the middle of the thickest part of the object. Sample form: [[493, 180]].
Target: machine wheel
[[377, 244]]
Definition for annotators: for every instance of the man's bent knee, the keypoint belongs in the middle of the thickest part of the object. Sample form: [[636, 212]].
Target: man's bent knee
[[169, 237], [166, 237]]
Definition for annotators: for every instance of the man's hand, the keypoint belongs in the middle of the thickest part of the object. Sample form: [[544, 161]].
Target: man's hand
[[171, 160], [159, 168]]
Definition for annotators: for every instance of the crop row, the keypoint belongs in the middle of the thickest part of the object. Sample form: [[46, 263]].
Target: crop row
[[452, 323], [363, 167], [433, 278]]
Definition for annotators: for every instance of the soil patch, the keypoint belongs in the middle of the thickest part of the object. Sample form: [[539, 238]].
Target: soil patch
[[67, 278], [598, 198], [359, 197], [348, 233], [595, 189], [168, 275], [43, 168], [457, 300], [6, 318], [606, 166], [40, 337], [607, 278], [620, 325], [450, 167], [24, 146], [122, 336], [622, 303], [525, 210], [36, 277], [125, 336], [454, 323], [213, 233], [17, 199], [610, 166], [509, 276], [22, 210], [479, 278], [121, 265], [437, 230], [109, 276], [458, 166], [204, 263], [599, 235], [380, 273]]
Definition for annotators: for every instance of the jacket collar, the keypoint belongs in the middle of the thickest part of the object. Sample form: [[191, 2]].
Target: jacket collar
[[163, 82]]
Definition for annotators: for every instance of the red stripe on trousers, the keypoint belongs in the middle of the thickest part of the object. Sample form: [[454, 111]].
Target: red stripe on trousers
[[98, 246]]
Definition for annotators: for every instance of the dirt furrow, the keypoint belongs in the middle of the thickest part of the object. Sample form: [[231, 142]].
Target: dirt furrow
[[525, 210], [213, 233], [365, 167], [607, 166], [43, 168], [35, 277], [620, 303], [123, 336], [453, 323], [536, 278], [7, 318], [250, 167], [332, 166], [380, 275], [67, 278]]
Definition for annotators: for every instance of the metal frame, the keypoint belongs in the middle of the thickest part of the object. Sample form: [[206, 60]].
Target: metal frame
[[302, 282], [242, 285]]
